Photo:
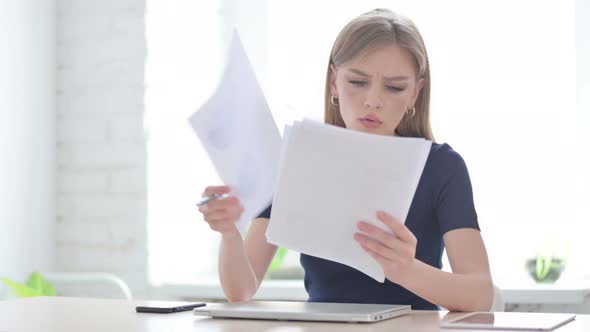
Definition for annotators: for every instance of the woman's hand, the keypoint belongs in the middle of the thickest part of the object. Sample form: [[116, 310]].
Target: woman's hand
[[222, 214], [395, 253]]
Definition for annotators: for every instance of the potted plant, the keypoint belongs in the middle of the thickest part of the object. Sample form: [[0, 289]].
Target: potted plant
[[36, 286], [545, 268], [549, 262], [278, 270]]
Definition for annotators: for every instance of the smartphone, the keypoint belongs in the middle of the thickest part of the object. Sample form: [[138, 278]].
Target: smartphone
[[166, 307]]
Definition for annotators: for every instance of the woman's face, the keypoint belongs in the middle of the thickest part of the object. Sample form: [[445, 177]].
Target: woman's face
[[375, 89]]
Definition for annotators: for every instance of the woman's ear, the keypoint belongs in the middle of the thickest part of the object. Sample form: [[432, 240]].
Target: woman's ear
[[333, 73], [419, 87]]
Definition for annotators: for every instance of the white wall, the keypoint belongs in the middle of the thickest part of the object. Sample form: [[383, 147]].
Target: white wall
[[101, 199], [27, 136], [583, 118], [583, 63]]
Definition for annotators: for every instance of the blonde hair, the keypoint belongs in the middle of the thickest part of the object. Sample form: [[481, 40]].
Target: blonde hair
[[376, 28]]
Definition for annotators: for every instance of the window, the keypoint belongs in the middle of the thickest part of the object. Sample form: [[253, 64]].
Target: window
[[503, 95]]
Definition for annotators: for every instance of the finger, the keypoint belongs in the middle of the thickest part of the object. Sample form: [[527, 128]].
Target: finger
[[229, 212], [219, 190], [204, 209], [221, 225], [400, 248], [219, 221], [223, 203], [374, 245], [375, 232], [383, 261], [396, 226], [218, 215], [395, 250]]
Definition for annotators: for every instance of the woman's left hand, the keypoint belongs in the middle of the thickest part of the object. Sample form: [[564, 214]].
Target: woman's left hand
[[395, 253]]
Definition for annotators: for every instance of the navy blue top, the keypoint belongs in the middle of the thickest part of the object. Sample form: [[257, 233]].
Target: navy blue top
[[443, 201]]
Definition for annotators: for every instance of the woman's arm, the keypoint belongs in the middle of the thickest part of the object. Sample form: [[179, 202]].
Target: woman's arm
[[468, 288], [243, 263]]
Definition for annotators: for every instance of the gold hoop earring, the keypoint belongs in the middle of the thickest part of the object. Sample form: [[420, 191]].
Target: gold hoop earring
[[333, 100], [413, 112]]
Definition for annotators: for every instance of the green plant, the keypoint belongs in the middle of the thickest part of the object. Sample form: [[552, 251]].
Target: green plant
[[36, 286], [545, 268], [543, 265], [278, 259], [550, 260]]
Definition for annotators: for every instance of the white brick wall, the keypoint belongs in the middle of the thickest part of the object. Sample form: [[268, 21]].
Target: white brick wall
[[101, 149]]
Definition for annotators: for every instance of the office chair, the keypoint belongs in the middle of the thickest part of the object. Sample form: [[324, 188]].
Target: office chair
[[498, 305], [89, 284]]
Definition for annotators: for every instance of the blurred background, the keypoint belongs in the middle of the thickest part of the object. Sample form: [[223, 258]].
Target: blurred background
[[100, 171]]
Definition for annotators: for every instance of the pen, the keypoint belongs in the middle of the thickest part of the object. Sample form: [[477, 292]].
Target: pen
[[210, 198]]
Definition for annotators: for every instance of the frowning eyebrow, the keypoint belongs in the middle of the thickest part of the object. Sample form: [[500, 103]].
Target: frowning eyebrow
[[392, 78]]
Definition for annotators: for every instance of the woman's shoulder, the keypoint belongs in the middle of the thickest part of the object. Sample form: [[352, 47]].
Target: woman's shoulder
[[444, 158]]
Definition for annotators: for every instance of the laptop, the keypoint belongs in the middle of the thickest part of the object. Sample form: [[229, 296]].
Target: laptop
[[306, 311]]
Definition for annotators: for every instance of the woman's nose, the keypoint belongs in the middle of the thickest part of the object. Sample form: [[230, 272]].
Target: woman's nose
[[373, 98]]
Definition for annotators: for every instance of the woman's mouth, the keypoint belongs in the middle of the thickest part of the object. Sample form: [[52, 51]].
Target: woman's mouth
[[371, 122]]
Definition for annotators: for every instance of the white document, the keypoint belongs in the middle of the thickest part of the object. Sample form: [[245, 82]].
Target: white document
[[240, 136], [331, 178]]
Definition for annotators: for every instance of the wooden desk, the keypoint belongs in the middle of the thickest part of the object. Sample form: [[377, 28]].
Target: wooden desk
[[524, 295], [61, 314]]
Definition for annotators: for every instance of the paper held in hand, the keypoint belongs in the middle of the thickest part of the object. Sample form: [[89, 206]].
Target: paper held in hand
[[236, 128], [331, 178]]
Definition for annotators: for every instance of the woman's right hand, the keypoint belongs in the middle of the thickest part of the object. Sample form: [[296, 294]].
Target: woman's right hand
[[222, 214]]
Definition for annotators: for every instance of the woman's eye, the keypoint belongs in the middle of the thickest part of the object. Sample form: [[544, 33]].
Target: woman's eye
[[357, 83], [394, 88]]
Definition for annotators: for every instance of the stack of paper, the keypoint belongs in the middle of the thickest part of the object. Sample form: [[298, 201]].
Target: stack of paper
[[331, 178], [237, 130]]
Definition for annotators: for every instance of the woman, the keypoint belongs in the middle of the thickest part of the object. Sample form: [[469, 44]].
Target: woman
[[378, 81]]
